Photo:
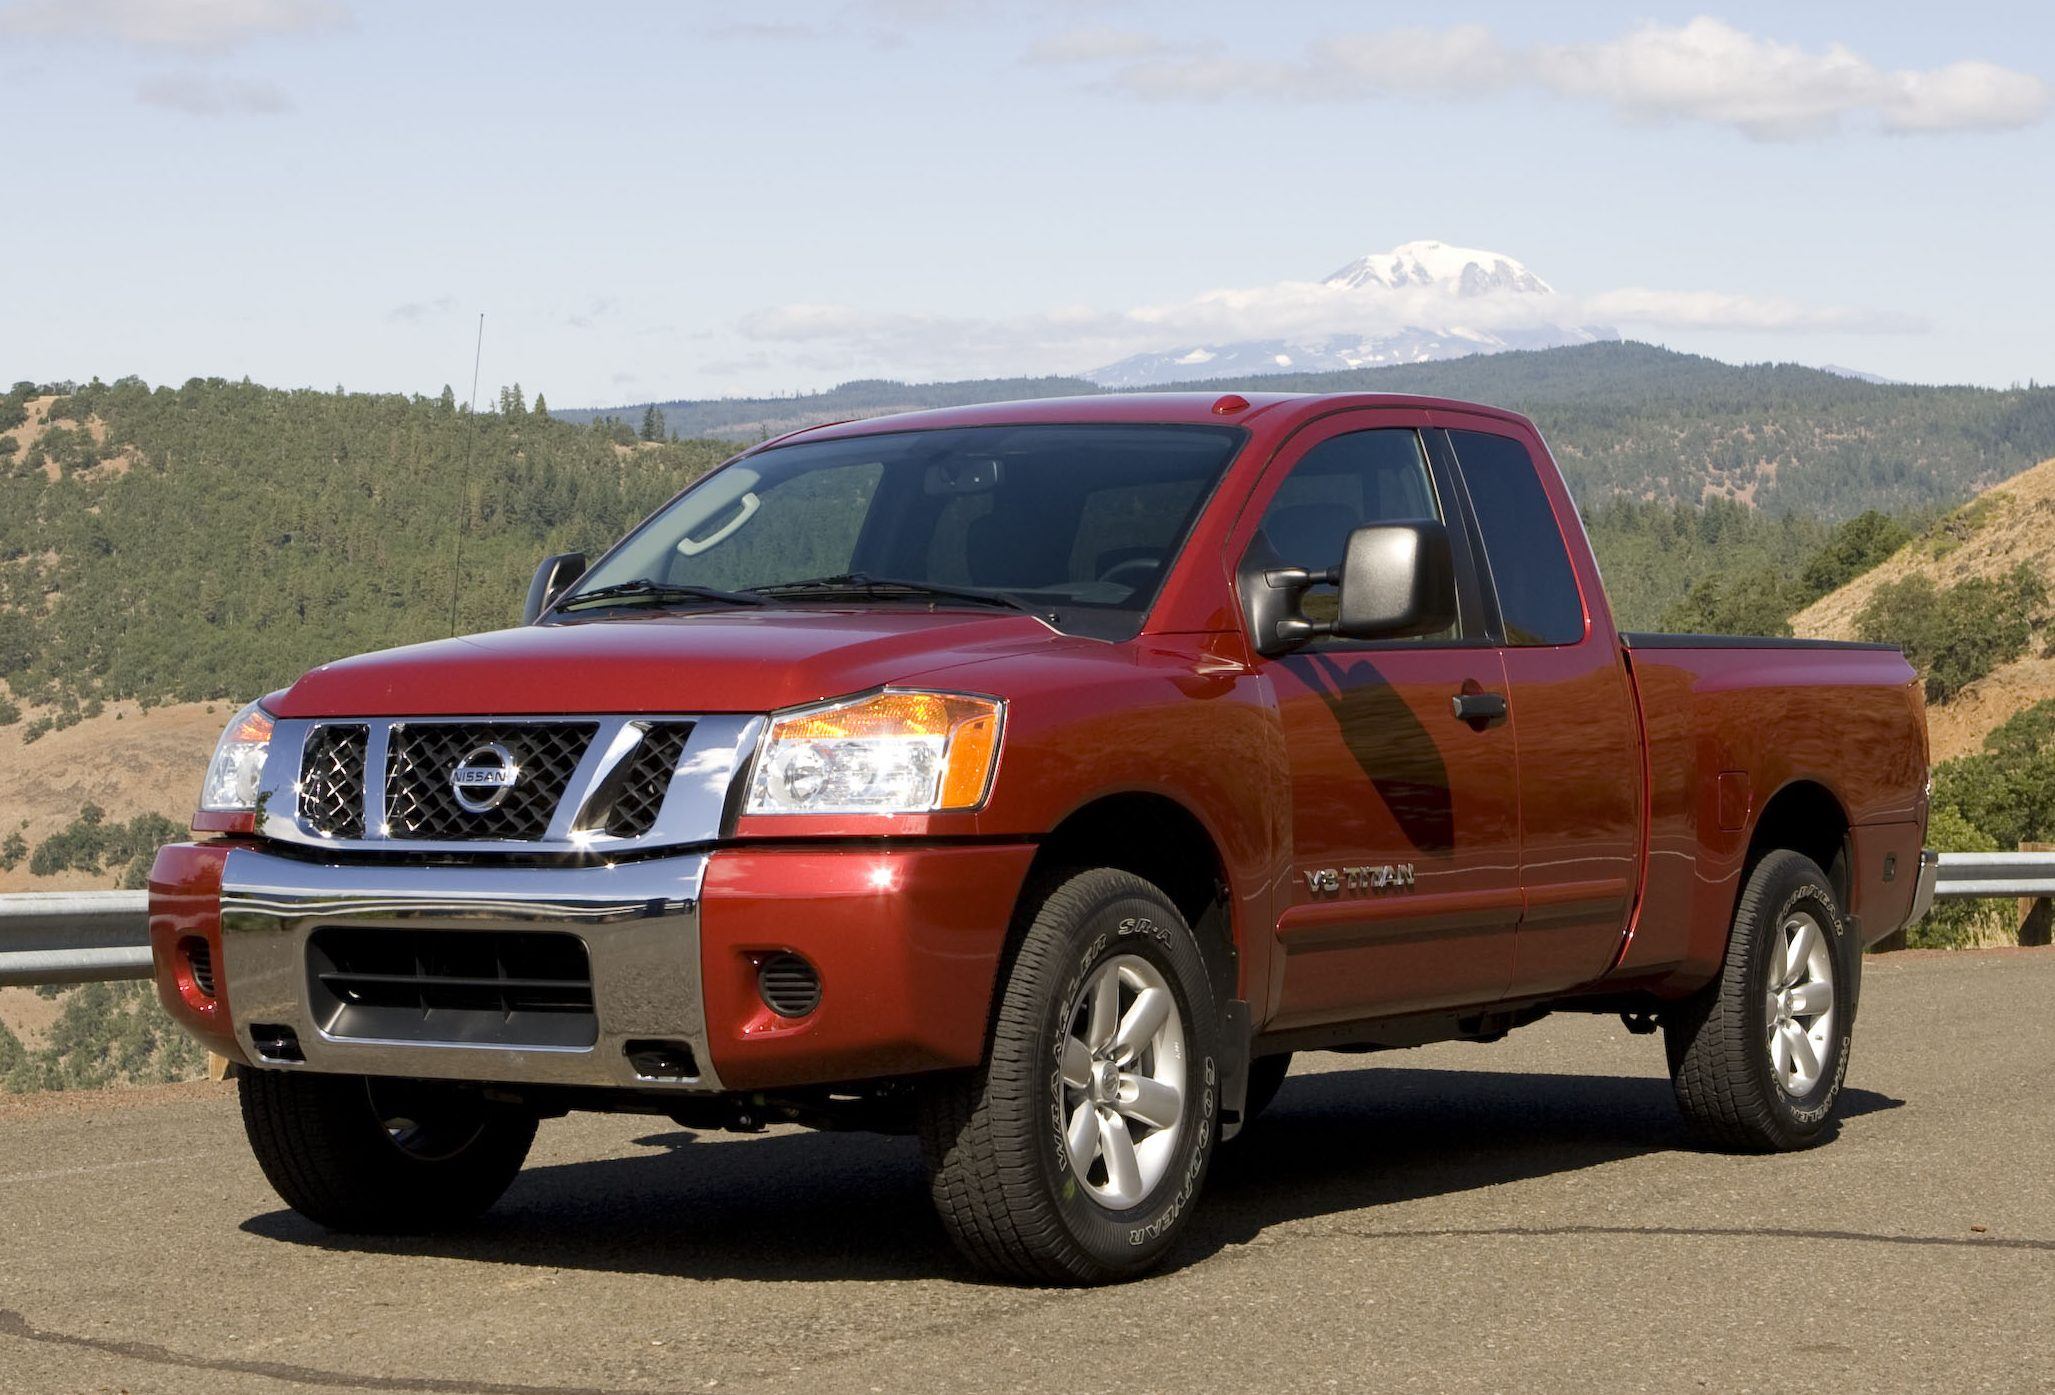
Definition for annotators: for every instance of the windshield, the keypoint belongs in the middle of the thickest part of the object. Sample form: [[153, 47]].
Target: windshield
[[1078, 522]]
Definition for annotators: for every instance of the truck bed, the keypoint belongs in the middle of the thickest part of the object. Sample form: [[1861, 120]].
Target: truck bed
[[1818, 733]]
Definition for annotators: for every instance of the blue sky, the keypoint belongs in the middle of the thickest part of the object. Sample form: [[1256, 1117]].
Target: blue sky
[[695, 199]]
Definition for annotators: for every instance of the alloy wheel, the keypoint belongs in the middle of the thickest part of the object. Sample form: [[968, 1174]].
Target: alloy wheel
[[1123, 1082], [1798, 1004]]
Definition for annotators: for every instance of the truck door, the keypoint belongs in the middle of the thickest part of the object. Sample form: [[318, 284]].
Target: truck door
[[1574, 718], [1403, 886]]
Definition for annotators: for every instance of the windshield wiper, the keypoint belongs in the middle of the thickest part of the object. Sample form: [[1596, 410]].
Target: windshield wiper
[[643, 590], [863, 584]]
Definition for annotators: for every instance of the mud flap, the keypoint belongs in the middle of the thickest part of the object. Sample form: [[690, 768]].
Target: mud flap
[[1234, 1067]]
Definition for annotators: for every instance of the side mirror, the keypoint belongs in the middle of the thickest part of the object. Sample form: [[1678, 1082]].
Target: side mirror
[[551, 578], [1397, 580]]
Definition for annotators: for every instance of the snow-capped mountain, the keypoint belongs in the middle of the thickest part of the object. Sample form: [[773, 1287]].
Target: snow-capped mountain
[[1436, 302]]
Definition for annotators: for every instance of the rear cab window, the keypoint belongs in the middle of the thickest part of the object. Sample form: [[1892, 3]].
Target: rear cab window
[[1529, 563]]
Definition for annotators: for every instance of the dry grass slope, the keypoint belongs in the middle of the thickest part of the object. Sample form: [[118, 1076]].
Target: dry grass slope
[[126, 760], [2009, 525]]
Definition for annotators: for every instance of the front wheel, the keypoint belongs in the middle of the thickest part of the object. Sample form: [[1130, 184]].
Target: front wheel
[[1075, 1153], [381, 1157], [1757, 1058]]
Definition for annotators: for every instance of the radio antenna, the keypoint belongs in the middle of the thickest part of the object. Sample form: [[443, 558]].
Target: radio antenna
[[464, 481]]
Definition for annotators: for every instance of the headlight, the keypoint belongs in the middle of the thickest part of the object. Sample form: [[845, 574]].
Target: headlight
[[894, 753], [231, 786]]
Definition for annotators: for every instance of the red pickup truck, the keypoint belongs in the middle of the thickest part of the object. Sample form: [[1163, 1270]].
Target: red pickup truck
[[1036, 778]]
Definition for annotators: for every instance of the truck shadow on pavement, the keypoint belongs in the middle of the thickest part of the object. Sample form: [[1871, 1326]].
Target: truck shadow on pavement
[[814, 1207]]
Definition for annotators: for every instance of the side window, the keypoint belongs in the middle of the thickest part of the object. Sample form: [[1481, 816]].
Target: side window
[[1537, 591], [1339, 486]]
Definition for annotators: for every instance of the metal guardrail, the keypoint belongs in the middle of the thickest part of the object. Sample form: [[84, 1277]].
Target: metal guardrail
[[73, 937], [1965, 876], [98, 936]]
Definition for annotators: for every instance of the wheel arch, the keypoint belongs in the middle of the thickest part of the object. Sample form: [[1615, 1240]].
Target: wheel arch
[[1804, 816], [1159, 839]]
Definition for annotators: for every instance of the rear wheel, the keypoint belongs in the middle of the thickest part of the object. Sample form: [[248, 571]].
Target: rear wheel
[[1075, 1154], [1759, 1055], [377, 1156]]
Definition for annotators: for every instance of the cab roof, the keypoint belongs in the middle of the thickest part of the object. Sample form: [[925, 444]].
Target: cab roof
[[1177, 408]]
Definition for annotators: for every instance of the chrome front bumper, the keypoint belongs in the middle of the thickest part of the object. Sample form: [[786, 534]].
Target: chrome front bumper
[[639, 922]]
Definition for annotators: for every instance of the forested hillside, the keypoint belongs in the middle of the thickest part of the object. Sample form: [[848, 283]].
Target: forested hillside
[[1972, 599], [215, 540], [1625, 419]]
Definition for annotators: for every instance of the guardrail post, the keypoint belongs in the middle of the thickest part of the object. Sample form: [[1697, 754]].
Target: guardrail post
[[2036, 913]]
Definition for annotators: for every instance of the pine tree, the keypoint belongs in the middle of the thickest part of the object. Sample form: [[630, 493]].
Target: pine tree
[[652, 424], [541, 408], [449, 399]]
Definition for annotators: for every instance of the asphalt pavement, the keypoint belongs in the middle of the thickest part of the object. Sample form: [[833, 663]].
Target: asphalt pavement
[[1525, 1216]]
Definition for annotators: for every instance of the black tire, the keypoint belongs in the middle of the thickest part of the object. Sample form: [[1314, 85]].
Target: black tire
[[1720, 1053], [1266, 1078], [381, 1157], [993, 1139]]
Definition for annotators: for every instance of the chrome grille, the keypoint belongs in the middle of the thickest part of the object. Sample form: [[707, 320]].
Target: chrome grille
[[420, 802], [585, 785], [332, 781], [646, 778]]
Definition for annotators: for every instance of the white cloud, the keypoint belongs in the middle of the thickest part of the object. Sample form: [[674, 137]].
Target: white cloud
[[846, 338], [204, 94], [1467, 58], [1720, 310], [1965, 95], [200, 26], [415, 311], [1704, 70], [1099, 46], [200, 30], [1708, 70]]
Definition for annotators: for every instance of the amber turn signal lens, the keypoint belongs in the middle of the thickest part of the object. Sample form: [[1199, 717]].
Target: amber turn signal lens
[[967, 769]]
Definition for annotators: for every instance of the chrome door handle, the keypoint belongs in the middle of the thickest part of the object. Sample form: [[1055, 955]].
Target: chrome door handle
[[1480, 709]]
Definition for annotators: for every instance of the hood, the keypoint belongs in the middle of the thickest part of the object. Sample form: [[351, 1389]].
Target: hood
[[710, 661]]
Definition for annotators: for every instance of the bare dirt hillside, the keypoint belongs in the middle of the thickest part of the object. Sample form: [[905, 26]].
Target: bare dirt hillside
[[126, 760], [2007, 526]]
